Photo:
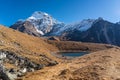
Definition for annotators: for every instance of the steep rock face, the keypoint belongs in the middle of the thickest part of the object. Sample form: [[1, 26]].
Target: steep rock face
[[26, 27], [101, 32]]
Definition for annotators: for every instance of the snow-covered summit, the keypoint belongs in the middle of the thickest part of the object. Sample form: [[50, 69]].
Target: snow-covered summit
[[38, 15], [42, 21]]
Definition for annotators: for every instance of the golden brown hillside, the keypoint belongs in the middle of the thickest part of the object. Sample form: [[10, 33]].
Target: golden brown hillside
[[23, 44], [25, 53], [31, 47], [78, 46], [101, 65]]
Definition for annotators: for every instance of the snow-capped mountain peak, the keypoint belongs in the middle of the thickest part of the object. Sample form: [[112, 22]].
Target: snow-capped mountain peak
[[42, 21], [38, 15]]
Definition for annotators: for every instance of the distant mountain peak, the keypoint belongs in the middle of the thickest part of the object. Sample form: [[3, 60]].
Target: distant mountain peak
[[100, 18], [39, 15], [42, 21]]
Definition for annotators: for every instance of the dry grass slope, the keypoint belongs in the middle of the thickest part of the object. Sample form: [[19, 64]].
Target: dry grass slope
[[102, 64], [78, 46], [24, 45]]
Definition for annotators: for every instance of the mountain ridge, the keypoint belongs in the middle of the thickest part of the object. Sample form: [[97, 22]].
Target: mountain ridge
[[42, 24]]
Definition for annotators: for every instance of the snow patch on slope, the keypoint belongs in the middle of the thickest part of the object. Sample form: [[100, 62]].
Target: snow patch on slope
[[38, 15], [39, 31], [85, 24], [81, 26]]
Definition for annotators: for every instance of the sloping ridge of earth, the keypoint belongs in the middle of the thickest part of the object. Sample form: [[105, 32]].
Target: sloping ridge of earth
[[22, 54]]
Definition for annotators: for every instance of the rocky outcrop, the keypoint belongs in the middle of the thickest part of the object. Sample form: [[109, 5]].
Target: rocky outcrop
[[3, 75], [23, 64], [26, 27]]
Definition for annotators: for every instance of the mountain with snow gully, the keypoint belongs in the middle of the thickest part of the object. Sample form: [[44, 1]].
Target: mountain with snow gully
[[87, 30]]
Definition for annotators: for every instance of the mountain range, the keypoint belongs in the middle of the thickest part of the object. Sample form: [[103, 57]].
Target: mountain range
[[38, 57], [87, 30]]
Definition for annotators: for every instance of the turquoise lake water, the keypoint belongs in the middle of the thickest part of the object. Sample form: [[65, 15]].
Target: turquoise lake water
[[73, 54]]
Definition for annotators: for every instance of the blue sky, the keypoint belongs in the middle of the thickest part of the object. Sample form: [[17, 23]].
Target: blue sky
[[67, 11]]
